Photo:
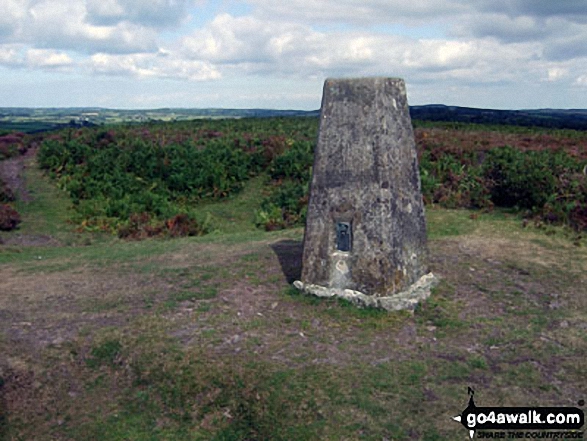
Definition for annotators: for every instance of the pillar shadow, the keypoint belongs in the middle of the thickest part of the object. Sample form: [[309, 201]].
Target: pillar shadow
[[289, 253]]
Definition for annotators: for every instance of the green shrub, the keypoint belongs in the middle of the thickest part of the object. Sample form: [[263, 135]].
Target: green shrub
[[520, 179], [548, 184], [270, 217], [111, 175], [286, 206], [453, 181], [295, 163]]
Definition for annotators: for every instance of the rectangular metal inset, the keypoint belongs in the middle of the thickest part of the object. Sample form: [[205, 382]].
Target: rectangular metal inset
[[343, 236]]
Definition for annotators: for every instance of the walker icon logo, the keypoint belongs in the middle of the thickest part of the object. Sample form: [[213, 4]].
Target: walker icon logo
[[519, 419]]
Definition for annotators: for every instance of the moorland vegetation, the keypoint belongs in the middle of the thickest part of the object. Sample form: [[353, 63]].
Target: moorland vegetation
[[144, 180]]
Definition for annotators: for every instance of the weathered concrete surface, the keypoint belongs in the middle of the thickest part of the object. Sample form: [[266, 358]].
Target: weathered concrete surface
[[365, 177]]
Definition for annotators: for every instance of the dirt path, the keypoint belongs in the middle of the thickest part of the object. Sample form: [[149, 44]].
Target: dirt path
[[11, 172]]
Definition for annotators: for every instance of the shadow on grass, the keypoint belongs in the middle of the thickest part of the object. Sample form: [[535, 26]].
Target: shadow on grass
[[289, 253]]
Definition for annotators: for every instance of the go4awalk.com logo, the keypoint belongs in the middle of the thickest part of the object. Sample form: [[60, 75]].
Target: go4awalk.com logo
[[522, 422]]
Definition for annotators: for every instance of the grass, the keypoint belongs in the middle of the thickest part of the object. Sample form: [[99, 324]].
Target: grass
[[444, 223], [203, 338], [238, 214]]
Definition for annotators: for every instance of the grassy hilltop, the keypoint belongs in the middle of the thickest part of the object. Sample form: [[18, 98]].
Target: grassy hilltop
[[194, 331]]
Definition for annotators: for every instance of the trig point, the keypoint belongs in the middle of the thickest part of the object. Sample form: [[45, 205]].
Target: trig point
[[365, 237]]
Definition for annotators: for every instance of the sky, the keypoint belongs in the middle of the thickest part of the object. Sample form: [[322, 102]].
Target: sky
[[502, 54]]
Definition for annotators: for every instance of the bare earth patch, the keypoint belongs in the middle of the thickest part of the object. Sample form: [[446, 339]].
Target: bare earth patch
[[11, 172]]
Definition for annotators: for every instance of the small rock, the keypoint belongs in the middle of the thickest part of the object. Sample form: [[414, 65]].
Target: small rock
[[431, 328], [471, 268], [58, 341], [564, 324], [274, 305], [234, 339]]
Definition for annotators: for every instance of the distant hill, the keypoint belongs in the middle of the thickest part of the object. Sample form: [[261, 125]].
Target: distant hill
[[41, 119], [550, 118]]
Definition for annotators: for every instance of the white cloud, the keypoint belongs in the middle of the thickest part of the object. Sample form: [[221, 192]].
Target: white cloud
[[358, 11], [152, 66], [475, 42], [557, 73], [47, 58], [581, 81], [9, 55], [67, 25], [573, 10], [152, 13], [62, 24], [135, 65], [506, 28], [13, 11], [560, 26], [252, 44]]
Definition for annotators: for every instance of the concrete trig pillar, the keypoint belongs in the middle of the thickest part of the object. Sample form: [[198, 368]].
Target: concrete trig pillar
[[365, 236]]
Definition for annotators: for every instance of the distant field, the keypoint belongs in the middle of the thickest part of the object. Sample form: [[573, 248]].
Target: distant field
[[31, 120], [34, 119]]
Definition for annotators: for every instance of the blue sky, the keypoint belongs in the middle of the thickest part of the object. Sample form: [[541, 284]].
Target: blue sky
[[507, 54]]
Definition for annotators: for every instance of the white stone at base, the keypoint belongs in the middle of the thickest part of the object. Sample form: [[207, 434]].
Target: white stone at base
[[407, 299]]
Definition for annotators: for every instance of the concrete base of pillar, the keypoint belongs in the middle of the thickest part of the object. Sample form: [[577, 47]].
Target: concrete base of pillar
[[405, 300]]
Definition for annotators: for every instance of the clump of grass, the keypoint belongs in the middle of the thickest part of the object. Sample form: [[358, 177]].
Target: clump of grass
[[440, 310], [208, 292], [104, 353]]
